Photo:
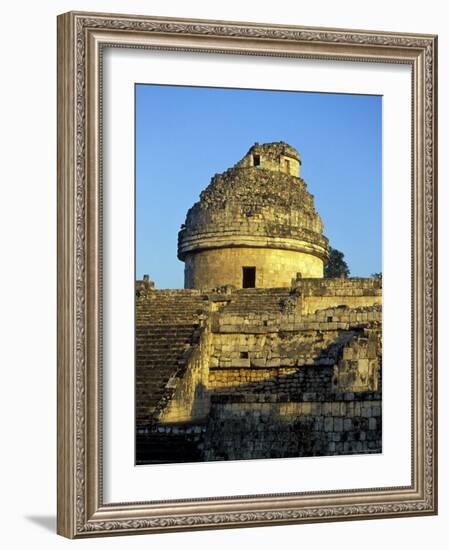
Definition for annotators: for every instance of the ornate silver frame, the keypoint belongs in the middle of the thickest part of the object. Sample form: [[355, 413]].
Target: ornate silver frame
[[81, 37]]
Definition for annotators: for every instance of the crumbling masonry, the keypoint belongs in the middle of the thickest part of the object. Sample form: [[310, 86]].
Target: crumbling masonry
[[259, 356]]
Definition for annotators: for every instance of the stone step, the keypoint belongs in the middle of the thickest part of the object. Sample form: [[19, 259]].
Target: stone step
[[167, 325], [257, 300]]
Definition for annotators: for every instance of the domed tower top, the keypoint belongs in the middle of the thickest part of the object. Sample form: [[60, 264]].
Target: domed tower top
[[276, 157], [255, 225]]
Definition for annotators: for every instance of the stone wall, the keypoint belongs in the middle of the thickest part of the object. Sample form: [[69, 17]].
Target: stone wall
[[239, 429], [190, 400], [299, 385], [274, 267], [352, 292]]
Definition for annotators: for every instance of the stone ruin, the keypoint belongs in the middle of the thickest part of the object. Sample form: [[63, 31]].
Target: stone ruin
[[255, 225], [287, 366]]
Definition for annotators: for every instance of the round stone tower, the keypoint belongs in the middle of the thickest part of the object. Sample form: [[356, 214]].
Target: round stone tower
[[255, 225]]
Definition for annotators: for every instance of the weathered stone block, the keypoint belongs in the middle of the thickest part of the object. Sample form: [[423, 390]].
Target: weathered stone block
[[328, 424], [347, 424], [338, 424]]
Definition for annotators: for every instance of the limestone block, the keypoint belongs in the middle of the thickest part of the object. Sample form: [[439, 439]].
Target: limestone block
[[328, 424], [347, 424], [338, 424]]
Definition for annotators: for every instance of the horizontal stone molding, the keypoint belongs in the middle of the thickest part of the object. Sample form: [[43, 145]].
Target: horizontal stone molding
[[199, 242]]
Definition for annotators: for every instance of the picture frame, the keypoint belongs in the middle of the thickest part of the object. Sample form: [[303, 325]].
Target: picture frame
[[82, 40]]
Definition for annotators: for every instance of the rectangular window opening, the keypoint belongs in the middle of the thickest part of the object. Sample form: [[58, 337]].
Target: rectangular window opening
[[249, 277], [256, 160]]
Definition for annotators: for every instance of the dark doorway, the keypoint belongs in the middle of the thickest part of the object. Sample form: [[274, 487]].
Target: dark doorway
[[249, 277]]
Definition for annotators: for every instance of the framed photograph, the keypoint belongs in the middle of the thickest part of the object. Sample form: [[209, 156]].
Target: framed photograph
[[246, 274]]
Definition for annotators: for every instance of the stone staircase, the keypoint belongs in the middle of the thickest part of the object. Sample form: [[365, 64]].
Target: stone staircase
[[170, 307], [257, 300], [167, 327]]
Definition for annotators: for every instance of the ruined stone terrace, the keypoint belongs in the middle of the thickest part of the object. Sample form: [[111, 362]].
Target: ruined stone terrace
[[212, 364]]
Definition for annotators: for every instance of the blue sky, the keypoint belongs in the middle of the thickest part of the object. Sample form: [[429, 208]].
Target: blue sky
[[184, 135]]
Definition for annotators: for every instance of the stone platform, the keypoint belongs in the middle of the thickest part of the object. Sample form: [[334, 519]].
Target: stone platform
[[259, 373]]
